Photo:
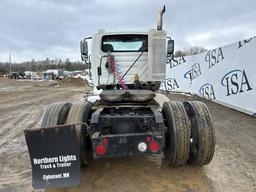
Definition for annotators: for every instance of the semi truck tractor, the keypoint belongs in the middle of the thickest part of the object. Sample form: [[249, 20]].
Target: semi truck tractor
[[129, 117]]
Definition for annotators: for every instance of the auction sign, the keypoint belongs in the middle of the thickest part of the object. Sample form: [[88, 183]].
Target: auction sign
[[225, 75]]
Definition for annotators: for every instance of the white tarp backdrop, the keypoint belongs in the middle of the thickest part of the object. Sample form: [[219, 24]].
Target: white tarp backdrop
[[226, 75]]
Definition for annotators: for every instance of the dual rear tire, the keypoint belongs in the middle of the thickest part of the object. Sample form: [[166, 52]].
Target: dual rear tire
[[190, 136], [55, 114], [202, 145], [81, 112], [66, 113], [176, 149]]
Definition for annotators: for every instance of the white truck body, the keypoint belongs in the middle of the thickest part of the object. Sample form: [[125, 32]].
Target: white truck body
[[149, 67]]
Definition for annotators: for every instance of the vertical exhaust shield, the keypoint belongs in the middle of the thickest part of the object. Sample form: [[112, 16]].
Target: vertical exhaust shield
[[160, 19]]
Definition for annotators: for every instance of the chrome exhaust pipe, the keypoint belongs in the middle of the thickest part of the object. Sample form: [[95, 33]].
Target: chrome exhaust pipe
[[160, 19]]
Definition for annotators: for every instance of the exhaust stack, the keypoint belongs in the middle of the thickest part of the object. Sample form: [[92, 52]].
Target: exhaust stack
[[160, 19]]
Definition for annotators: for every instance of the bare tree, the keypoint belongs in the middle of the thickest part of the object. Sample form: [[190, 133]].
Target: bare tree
[[191, 51]]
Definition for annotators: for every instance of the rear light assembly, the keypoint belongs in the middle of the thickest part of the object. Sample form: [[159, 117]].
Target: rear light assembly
[[148, 145], [101, 148], [153, 146]]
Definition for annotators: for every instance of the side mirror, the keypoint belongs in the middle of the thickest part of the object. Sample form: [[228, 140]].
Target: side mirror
[[84, 50], [170, 47]]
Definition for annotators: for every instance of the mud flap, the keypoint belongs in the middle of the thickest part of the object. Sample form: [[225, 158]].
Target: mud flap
[[54, 155]]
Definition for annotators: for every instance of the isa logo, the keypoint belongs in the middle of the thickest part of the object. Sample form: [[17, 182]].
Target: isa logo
[[175, 62], [242, 43], [213, 57], [194, 72], [236, 81], [207, 91], [171, 84]]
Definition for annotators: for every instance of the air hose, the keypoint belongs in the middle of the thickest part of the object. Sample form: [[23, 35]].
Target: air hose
[[116, 71]]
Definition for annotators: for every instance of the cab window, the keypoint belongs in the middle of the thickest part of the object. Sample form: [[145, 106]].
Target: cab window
[[124, 43]]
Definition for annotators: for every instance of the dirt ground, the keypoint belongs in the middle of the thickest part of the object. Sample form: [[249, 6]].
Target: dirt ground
[[233, 167]]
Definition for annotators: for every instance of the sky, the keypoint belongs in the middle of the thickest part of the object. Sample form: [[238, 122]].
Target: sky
[[39, 29]]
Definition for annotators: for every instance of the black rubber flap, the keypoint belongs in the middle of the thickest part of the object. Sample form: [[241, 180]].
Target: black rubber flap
[[54, 156]]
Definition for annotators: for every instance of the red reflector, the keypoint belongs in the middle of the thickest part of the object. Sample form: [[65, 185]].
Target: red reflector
[[101, 149], [105, 141], [148, 139], [154, 146]]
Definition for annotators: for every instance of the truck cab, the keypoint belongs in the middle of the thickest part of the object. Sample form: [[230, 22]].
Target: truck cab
[[136, 54]]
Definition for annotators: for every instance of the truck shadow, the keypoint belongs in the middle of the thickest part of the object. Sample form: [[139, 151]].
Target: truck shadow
[[139, 174]]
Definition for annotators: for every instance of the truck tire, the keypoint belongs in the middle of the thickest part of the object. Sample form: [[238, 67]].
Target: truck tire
[[202, 145], [177, 137], [81, 112], [55, 114]]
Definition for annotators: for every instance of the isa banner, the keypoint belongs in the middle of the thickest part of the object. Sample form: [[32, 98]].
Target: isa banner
[[225, 75]]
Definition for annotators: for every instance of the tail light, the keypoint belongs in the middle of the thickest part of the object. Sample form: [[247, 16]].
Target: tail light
[[105, 141], [101, 149], [148, 139], [154, 146]]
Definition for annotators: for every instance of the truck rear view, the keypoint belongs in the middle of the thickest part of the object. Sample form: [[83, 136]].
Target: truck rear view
[[129, 117]]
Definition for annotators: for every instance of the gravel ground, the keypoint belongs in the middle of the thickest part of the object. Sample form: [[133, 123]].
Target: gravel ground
[[233, 167]]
